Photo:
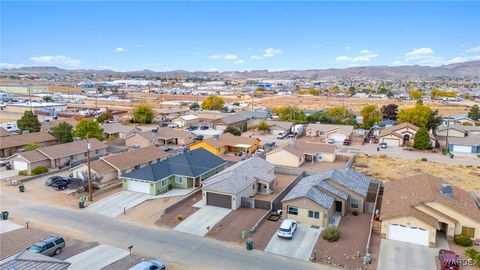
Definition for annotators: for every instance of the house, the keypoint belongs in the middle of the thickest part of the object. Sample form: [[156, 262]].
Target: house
[[11, 144], [46, 126], [4, 132], [326, 132], [118, 131], [401, 135], [418, 208], [59, 155], [318, 198], [242, 180], [459, 119], [26, 260], [465, 145], [159, 137], [187, 120], [228, 143], [168, 114], [111, 166], [232, 121], [276, 127], [296, 153], [255, 115], [184, 171], [457, 130]]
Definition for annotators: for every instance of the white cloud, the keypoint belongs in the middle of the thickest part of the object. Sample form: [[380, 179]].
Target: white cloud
[[105, 67], [419, 54], [364, 51], [216, 56], [343, 58], [460, 59], [270, 52], [139, 46], [55, 59], [348, 48], [120, 50], [9, 65], [255, 57], [231, 56], [364, 56], [228, 56], [239, 61], [423, 56], [473, 50], [397, 63]]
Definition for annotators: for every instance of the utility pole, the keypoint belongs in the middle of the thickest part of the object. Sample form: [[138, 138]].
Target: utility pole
[[90, 188], [446, 141], [30, 96], [252, 101]]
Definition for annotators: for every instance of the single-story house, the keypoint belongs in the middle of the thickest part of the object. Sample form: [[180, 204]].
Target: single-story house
[[4, 132], [111, 166], [276, 127], [228, 143], [11, 144], [168, 114], [59, 155], [418, 208], [457, 130], [47, 125], [242, 180], [26, 260], [296, 153], [184, 171], [326, 132], [467, 145], [232, 120], [118, 131], [459, 119], [316, 198], [255, 115], [187, 120], [401, 135], [159, 137]]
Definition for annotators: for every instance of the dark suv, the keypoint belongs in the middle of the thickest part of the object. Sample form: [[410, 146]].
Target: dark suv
[[58, 182], [49, 246]]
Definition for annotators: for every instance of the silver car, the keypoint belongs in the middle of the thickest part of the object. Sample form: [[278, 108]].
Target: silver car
[[49, 246]]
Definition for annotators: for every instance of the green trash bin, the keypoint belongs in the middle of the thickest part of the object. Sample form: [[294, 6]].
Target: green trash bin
[[81, 205], [249, 244], [21, 188], [5, 215]]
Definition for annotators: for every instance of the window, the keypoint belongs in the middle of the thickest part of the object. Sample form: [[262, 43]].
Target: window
[[178, 179], [164, 182], [50, 245], [59, 241], [469, 232], [314, 214], [293, 211], [354, 203]]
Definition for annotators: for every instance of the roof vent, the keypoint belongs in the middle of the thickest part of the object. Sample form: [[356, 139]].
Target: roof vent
[[447, 190]]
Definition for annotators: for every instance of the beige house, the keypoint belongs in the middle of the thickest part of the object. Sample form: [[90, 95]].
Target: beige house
[[276, 127], [159, 137], [419, 208], [118, 131], [325, 132], [319, 198], [186, 120], [401, 135], [231, 120], [296, 153], [11, 144], [46, 126]]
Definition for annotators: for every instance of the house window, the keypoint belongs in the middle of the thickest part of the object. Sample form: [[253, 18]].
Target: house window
[[178, 179], [164, 182], [314, 214], [293, 211], [469, 232], [354, 203], [253, 187]]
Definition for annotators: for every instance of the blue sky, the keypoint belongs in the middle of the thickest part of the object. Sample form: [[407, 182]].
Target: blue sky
[[237, 36]]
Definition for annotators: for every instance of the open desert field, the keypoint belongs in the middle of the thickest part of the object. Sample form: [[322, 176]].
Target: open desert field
[[390, 169]]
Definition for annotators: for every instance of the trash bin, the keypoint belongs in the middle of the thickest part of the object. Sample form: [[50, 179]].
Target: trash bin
[[5, 215], [249, 244], [81, 205], [21, 188]]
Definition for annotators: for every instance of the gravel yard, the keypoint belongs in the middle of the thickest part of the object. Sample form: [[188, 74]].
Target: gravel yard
[[185, 209], [264, 233], [149, 211]]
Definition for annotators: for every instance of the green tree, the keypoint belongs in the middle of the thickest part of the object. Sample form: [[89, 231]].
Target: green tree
[[194, 106], [259, 89], [47, 98], [335, 90], [63, 132], [32, 146], [233, 130], [292, 114], [416, 94], [102, 118], [390, 111], [143, 113], [29, 122], [418, 115], [262, 126], [236, 103], [422, 139], [474, 113], [213, 103], [340, 115], [371, 115], [88, 128], [434, 121], [419, 101]]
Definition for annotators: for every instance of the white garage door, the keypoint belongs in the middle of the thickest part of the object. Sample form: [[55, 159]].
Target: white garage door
[[20, 165], [339, 138], [462, 149], [139, 186], [220, 127], [408, 234], [391, 142]]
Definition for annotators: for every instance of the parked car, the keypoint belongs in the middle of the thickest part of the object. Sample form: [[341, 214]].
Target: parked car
[[52, 179], [259, 151], [4, 162], [347, 142], [287, 229], [291, 136], [281, 135], [269, 145], [203, 127], [449, 260], [173, 126], [163, 124], [49, 246], [383, 145], [167, 149], [148, 265], [198, 138], [192, 128], [60, 184], [331, 141]]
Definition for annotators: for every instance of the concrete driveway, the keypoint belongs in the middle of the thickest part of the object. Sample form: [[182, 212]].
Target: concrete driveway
[[300, 247], [7, 226], [112, 205], [403, 255], [5, 174], [198, 222], [96, 258]]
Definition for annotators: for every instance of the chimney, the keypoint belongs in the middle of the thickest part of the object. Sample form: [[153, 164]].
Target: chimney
[[447, 190]]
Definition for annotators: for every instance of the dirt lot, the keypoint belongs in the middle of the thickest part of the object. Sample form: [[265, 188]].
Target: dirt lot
[[264, 233], [354, 235], [230, 227], [149, 211], [185, 210], [323, 166], [385, 168], [281, 181]]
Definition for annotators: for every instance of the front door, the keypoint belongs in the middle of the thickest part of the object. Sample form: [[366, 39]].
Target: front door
[[338, 206]]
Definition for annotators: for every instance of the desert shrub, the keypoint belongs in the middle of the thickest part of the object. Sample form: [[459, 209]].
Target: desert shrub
[[473, 254], [23, 173], [355, 213], [424, 159], [478, 155], [39, 170], [462, 240], [383, 156], [331, 234], [179, 218]]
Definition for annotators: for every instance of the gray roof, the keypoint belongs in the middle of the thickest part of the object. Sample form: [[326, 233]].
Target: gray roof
[[240, 176], [112, 128], [232, 119], [255, 115], [193, 163], [28, 260], [317, 189], [468, 141]]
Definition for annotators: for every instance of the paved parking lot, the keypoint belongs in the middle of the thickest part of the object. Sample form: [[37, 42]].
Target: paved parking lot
[[300, 247], [403, 255], [96, 258], [198, 222]]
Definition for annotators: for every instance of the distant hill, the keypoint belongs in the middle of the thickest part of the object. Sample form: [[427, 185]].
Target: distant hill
[[466, 69]]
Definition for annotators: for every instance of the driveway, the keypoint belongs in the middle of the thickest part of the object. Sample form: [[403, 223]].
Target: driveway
[[4, 174], [198, 222], [403, 255], [112, 205], [300, 247], [7, 225], [96, 258]]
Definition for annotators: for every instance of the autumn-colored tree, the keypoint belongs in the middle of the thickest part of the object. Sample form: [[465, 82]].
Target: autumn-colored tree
[[213, 103], [415, 94], [143, 113], [418, 115], [371, 115]]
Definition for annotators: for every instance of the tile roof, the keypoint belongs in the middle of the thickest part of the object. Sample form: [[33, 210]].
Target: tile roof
[[229, 139], [24, 139], [240, 176], [133, 158], [71, 148], [193, 163], [327, 128], [300, 148], [112, 128], [401, 194], [28, 261]]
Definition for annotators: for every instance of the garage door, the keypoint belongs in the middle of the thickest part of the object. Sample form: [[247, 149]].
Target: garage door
[[220, 127], [139, 186], [408, 234], [339, 138], [391, 142], [219, 200], [462, 149], [20, 165]]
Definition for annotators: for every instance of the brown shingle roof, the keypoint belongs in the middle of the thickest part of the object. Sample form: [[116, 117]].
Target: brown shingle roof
[[46, 126], [72, 148], [229, 139], [401, 194], [469, 140], [24, 139], [329, 128], [392, 129], [300, 148], [4, 132], [232, 119], [165, 133], [33, 156], [99, 166], [133, 158]]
